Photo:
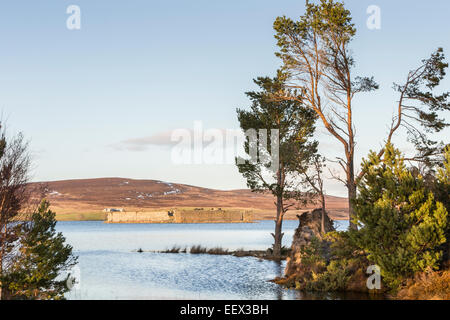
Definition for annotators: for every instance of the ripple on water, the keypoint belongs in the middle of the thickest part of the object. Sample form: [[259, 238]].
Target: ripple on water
[[111, 270]]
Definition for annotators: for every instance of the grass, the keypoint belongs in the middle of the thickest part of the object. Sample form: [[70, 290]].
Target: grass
[[429, 285], [88, 216], [198, 249], [174, 249], [203, 250], [218, 251]]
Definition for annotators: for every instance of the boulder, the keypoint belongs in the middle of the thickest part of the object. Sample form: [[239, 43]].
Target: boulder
[[309, 227]]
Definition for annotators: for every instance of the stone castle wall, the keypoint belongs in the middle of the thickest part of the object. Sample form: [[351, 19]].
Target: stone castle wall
[[181, 216], [139, 217]]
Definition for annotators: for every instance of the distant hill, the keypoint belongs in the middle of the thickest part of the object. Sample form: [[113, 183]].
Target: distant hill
[[94, 195]]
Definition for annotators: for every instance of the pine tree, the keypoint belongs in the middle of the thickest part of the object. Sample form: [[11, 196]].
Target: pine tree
[[42, 258], [442, 191], [295, 125], [401, 224], [319, 64]]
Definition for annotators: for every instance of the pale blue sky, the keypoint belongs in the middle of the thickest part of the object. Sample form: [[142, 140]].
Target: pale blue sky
[[142, 68]]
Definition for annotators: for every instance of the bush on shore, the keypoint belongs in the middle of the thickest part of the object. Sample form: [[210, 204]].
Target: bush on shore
[[403, 229], [428, 285], [330, 264]]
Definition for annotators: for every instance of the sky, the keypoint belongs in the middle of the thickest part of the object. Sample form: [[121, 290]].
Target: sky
[[102, 100]]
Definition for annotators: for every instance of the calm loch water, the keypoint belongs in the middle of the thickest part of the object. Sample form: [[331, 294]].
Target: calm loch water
[[110, 268]]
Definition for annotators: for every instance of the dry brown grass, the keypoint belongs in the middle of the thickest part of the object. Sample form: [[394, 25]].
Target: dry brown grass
[[174, 249], [71, 197], [430, 285], [213, 251]]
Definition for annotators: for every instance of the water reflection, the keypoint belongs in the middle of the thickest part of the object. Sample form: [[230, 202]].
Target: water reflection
[[111, 270]]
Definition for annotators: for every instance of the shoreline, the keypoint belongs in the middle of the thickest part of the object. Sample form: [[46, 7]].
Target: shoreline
[[92, 217], [184, 214], [200, 222]]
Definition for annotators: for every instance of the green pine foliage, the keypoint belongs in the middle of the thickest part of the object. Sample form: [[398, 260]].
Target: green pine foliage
[[443, 180], [277, 165], [43, 256], [441, 189], [401, 225], [296, 127]]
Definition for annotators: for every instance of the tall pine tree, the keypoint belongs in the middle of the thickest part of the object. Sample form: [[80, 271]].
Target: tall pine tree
[[295, 125]]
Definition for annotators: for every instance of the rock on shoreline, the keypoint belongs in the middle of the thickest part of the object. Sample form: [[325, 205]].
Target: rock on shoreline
[[309, 227]]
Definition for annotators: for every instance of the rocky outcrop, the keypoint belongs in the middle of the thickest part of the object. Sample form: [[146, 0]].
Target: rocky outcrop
[[309, 227]]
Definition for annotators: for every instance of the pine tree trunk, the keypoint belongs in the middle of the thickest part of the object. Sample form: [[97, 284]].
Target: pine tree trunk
[[351, 209], [278, 235], [323, 213], [351, 187]]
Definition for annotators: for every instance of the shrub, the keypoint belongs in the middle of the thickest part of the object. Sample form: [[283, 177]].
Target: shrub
[[401, 225], [218, 251], [334, 278], [198, 250], [312, 264], [174, 249], [428, 285]]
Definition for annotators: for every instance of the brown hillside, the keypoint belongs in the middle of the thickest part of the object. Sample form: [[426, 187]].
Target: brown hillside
[[93, 195]]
